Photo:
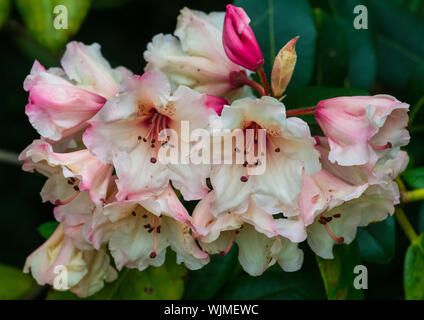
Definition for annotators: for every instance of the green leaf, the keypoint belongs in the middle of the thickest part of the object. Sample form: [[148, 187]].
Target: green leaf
[[310, 96], [206, 282], [275, 23], [5, 6], [47, 229], [362, 52], [338, 275], [413, 272], [331, 58], [275, 284], [14, 283], [415, 87], [155, 283], [399, 42], [414, 178], [377, 241], [39, 16]]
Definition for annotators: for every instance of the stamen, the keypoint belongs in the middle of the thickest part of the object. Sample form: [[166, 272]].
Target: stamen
[[155, 239], [337, 239], [233, 234], [62, 203], [388, 145], [244, 178]]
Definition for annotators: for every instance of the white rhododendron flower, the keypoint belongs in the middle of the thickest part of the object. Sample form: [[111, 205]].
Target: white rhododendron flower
[[128, 132], [195, 57], [261, 239], [363, 130], [86, 270], [288, 152]]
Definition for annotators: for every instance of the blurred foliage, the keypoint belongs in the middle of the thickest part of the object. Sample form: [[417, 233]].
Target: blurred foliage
[[334, 59], [155, 283], [414, 266], [14, 283], [338, 275]]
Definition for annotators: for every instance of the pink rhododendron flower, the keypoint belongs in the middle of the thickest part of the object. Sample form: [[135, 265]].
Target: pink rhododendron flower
[[216, 103], [87, 270], [332, 208], [239, 41], [139, 231], [288, 152], [262, 240], [195, 57], [363, 130], [127, 133], [68, 173], [61, 101]]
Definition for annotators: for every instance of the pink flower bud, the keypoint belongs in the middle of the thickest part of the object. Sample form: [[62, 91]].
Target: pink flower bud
[[216, 103], [239, 41]]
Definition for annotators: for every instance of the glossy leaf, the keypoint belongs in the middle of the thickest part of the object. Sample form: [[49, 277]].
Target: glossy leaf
[[310, 96], [275, 23], [361, 48], [331, 57], [413, 272], [377, 241], [275, 284], [14, 283], [47, 229], [399, 34], [155, 283], [338, 273], [414, 178], [39, 18], [206, 282]]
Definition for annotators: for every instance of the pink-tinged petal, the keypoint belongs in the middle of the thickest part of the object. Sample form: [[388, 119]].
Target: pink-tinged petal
[[91, 174], [138, 177], [56, 107], [200, 35], [392, 167], [57, 250], [239, 41], [86, 65], [231, 195], [132, 232], [342, 220], [76, 212], [123, 121], [361, 130], [99, 272], [322, 191], [216, 103], [197, 58]]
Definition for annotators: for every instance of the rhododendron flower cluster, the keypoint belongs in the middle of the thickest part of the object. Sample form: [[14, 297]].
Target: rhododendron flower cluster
[[120, 205]]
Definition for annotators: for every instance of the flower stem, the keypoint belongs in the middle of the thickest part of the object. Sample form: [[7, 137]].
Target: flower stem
[[413, 195], [264, 80], [300, 112], [239, 79], [405, 224]]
